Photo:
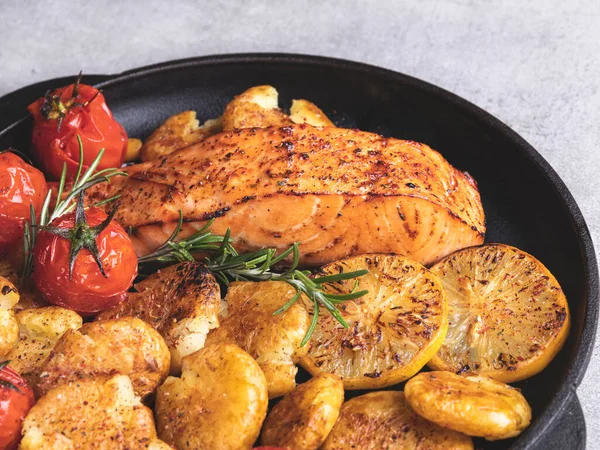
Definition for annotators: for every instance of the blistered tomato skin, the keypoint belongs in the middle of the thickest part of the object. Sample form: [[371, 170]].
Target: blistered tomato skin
[[87, 291], [94, 123], [21, 186], [16, 399]]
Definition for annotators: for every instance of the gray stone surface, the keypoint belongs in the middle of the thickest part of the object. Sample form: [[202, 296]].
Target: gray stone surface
[[533, 64]]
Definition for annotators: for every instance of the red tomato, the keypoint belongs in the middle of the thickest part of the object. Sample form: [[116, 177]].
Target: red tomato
[[87, 290], [81, 110], [21, 185], [16, 399]]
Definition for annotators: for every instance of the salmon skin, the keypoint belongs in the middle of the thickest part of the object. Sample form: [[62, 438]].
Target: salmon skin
[[338, 192]]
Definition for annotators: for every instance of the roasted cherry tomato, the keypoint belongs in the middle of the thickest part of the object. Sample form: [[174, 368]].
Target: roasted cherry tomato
[[16, 399], [84, 261], [68, 112], [21, 186]]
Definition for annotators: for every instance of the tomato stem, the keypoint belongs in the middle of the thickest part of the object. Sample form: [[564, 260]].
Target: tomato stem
[[53, 107], [62, 206], [227, 264], [82, 236]]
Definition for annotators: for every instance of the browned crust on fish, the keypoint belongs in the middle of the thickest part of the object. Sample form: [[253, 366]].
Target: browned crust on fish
[[207, 179]]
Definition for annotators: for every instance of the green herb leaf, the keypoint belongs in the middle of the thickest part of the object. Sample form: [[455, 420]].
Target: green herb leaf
[[224, 261], [63, 206]]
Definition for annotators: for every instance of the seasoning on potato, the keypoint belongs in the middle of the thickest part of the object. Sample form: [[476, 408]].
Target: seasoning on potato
[[274, 340], [176, 132], [220, 401], [475, 405], [383, 420], [9, 328], [182, 302], [127, 346], [39, 330], [303, 418], [88, 415]]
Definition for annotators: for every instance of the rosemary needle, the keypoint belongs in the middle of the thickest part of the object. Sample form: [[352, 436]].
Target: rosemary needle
[[227, 264], [223, 260], [63, 206]]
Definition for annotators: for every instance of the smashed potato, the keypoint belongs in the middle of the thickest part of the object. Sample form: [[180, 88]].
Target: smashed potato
[[9, 328], [181, 301], [256, 107], [303, 111], [39, 330], [133, 149], [477, 406], [97, 414], [178, 131], [303, 418], [28, 296], [220, 401], [127, 346], [157, 444], [273, 340], [383, 420]]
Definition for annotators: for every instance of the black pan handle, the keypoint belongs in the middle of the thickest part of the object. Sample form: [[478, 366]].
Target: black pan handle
[[567, 430], [13, 106]]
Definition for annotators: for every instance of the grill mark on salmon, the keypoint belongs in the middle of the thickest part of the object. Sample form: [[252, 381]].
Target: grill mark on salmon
[[336, 191]]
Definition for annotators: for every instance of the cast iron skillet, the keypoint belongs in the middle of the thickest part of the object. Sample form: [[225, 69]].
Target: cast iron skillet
[[526, 203]]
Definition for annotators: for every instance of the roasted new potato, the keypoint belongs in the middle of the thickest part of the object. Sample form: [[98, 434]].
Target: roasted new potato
[[9, 328], [39, 330], [28, 296], [182, 302], [157, 444], [383, 420], [255, 108], [126, 346], [94, 414], [258, 107], [134, 146], [303, 111], [178, 131], [220, 401], [303, 418], [474, 405], [273, 340]]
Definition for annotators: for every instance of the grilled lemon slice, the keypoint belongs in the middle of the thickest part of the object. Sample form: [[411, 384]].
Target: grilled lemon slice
[[383, 420], [393, 330], [477, 406], [508, 316]]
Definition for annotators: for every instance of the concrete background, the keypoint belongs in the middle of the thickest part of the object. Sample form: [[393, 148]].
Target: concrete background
[[533, 64]]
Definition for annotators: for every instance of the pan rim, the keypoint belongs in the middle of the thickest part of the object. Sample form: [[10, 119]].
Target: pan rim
[[584, 348]]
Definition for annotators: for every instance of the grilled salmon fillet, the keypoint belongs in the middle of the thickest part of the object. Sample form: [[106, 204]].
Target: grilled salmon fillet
[[337, 192]]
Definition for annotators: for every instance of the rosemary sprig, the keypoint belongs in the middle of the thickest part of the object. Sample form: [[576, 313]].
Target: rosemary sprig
[[201, 241], [63, 206], [227, 264]]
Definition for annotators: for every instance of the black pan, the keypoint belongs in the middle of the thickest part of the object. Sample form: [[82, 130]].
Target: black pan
[[526, 203]]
